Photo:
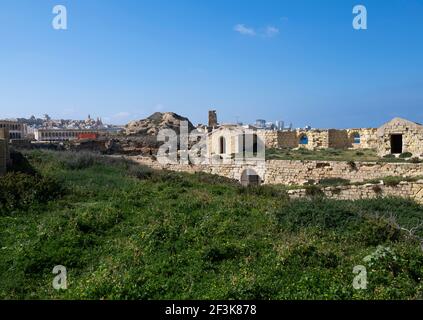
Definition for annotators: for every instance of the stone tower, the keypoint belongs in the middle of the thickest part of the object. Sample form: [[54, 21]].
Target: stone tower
[[212, 119]]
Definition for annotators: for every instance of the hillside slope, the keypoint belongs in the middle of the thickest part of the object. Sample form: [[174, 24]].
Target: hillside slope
[[126, 232]]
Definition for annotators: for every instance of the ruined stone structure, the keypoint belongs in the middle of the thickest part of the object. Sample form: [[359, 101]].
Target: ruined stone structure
[[213, 119], [4, 150], [230, 140], [408, 190], [295, 172], [363, 138], [301, 172], [231, 170], [396, 137], [322, 139], [227, 141], [400, 136]]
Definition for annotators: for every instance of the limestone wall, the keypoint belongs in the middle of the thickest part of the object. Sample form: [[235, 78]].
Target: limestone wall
[[412, 191], [271, 139], [229, 169], [412, 137], [292, 172], [233, 140], [338, 139], [317, 139], [299, 172], [287, 139], [368, 138]]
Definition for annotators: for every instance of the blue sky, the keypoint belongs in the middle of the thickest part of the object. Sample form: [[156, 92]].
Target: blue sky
[[299, 61]]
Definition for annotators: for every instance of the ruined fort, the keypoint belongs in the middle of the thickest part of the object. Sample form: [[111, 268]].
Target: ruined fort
[[224, 143], [398, 137]]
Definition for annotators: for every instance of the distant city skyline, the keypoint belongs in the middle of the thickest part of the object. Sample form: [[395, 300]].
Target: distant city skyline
[[295, 61]]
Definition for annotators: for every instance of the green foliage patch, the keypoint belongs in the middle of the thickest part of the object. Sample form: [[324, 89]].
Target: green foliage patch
[[129, 232]]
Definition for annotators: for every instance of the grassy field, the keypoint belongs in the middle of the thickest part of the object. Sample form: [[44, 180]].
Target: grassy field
[[366, 155], [126, 232]]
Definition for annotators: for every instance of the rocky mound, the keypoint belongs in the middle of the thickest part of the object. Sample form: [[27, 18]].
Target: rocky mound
[[156, 122]]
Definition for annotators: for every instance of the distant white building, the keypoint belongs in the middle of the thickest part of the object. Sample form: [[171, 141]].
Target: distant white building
[[62, 134]]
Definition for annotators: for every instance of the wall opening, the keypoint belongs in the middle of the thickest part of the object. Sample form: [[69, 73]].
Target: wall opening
[[396, 143], [356, 138], [248, 149], [222, 145], [250, 178], [303, 140]]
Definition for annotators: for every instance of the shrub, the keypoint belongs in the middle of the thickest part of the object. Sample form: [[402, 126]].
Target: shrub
[[21, 191], [20, 164], [314, 191], [392, 181], [389, 156], [415, 160], [377, 231], [334, 182], [264, 190], [78, 160], [310, 182], [309, 256], [215, 179], [406, 155], [324, 213], [377, 189], [140, 172], [175, 179], [352, 165]]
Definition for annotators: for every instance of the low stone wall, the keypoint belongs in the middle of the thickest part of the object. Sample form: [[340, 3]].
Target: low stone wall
[[300, 172], [413, 190], [368, 138], [339, 139], [230, 169], [294, 172]]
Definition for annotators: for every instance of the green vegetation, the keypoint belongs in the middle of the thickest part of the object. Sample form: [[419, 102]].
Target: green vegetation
[[405, 155], [391, 181], [126, 232], [329, 182], [366, 155]]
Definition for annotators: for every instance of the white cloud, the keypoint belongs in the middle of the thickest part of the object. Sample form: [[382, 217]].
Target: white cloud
[[158, 107], [271, 31], [242, 29], [121, 115]]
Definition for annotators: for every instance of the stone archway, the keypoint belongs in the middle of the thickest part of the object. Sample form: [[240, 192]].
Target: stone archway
[[249, 177]]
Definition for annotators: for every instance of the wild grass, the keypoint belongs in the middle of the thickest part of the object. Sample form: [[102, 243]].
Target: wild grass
[[128, 232], [365, 155]]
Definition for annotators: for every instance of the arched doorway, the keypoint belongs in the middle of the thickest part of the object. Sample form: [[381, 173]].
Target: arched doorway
[[356, 138], [303, 140], [250, 178]]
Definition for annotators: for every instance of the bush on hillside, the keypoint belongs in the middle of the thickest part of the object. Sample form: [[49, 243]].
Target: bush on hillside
[[20, 164], [78, 160], [21, 191]]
